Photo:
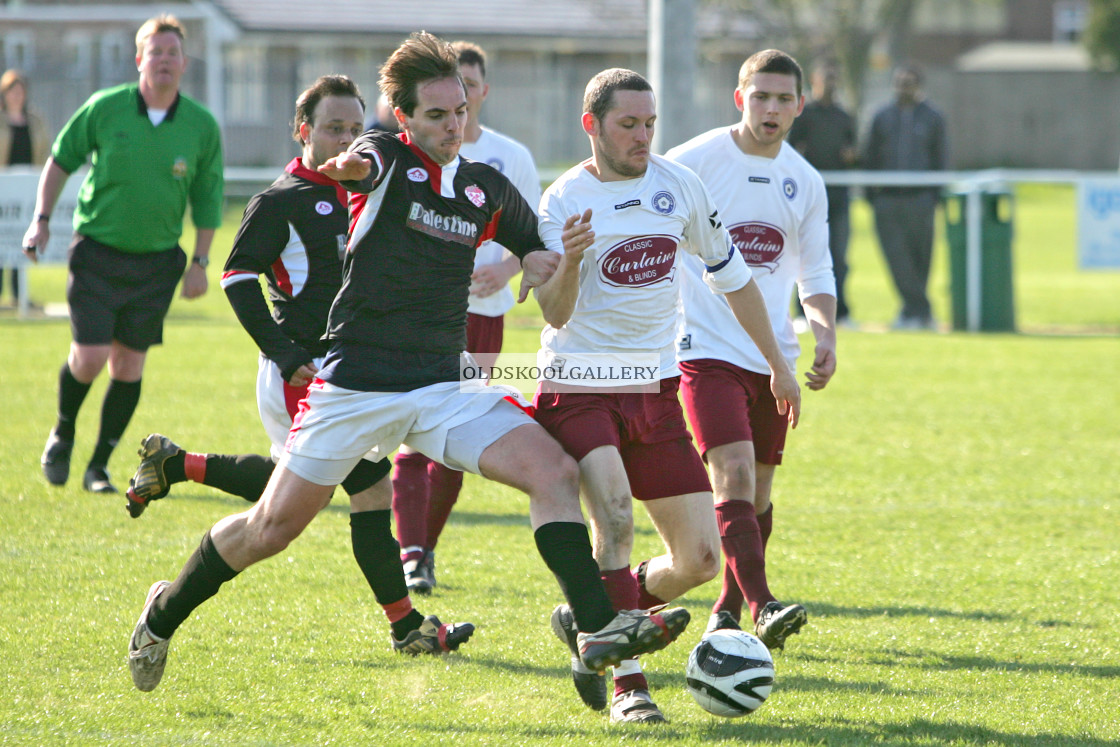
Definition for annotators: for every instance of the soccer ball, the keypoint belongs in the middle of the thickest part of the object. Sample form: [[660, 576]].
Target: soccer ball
[[730, 673]]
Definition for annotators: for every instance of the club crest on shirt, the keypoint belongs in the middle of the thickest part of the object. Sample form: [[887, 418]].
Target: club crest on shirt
[[789, 187], [475, 195], [417, 174], [179, 167], [638, 262], [663, 203], [322, 207], [761, 244]]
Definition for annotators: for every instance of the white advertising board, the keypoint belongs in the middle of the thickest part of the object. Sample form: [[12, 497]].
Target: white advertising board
[[17, 206], [1098, 223]]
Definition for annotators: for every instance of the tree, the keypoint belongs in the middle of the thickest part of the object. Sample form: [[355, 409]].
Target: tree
[[845, 30], [1102, 34]]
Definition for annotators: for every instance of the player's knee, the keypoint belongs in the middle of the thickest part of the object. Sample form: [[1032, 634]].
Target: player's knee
[[699, 567], [272, 537], [558, 475], [736, 479]]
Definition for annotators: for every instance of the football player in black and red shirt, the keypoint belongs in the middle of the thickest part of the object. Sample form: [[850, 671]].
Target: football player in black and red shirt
[[294, 234], [392, 374]]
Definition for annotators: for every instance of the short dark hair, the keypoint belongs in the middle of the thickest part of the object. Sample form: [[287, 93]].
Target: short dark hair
[[470, 54], [598, 97], [422, 57], [324, 86], [769, 61]]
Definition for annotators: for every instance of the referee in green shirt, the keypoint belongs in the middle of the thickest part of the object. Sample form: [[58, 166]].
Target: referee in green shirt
[[154, 151]]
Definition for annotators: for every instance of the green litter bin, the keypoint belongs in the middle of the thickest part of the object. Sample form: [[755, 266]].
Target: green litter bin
[[995, 292]]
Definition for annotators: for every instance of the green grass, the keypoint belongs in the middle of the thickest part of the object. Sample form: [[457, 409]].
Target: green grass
[[948, 511]]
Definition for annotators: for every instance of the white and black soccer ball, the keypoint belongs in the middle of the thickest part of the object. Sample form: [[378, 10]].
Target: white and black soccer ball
[[730, 673]]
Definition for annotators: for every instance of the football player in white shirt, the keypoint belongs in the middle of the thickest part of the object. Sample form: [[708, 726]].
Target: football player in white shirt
[[622, 220], [425, 491], [774, 205]]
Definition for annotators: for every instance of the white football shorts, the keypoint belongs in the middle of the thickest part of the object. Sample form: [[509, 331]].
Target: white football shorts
[[452, 423]]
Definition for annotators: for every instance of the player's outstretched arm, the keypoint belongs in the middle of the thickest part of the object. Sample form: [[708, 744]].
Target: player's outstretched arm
[[346, 167], [749, 308]]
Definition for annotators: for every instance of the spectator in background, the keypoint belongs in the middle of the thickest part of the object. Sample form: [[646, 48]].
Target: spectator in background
[[383, 117], [24, 141], [826, 135], [907, 135], [424, 491], [154, 152]]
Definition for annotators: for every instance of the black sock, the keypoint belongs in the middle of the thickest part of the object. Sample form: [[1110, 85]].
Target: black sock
[[407, 624], [120, 402], [378, 555], [566, 549], [245, 475], [71, 394], [174, 469], [200, 579]]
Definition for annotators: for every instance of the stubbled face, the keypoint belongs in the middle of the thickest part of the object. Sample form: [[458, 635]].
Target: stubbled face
[[336, 123], [437, 122], [476, 89], [161, 61], [621, 140], [769, 105]]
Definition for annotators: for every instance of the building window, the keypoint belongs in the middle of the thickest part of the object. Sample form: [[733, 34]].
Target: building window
[[118, 58], [245, 85], [1070, 18], [77, 48], [18, 50]]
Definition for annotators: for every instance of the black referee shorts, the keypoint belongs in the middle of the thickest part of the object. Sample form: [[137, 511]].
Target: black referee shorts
[[115, 295]]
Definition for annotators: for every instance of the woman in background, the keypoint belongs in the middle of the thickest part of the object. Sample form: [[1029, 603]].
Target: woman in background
[[24, 140]]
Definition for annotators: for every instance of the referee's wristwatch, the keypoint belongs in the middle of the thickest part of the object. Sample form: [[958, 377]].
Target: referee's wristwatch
[[202, 262]]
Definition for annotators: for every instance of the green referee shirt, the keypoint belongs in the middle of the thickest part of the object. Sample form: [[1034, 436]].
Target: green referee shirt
[[142, 176]]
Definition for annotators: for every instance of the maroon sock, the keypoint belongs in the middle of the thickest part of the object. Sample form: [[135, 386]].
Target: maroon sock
[[628, 682], [742, 547], [444, 485], [410, 499], [645, 599], [730, 596], [621, 588], [766, 525]]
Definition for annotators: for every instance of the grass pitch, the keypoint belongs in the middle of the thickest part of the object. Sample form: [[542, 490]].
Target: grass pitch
[[948, 511]]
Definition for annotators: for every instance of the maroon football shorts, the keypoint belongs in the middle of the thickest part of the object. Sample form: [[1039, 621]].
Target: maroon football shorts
[[484, 335], [726, 403], [648, 430]]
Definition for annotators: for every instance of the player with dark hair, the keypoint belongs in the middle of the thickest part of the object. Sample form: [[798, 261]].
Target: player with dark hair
[[774, 204], [125, 259], [391, 376], [425, 491], [294, 234], [621, 221]]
